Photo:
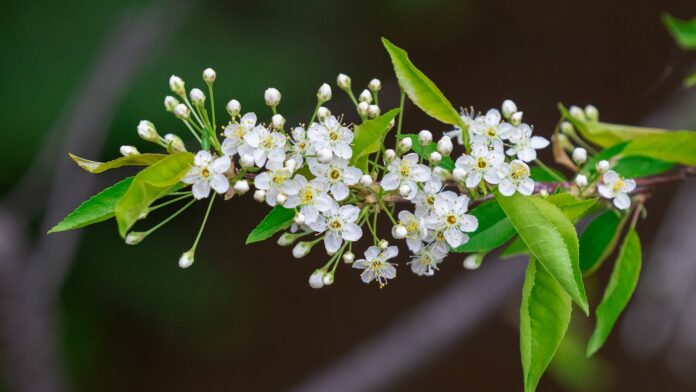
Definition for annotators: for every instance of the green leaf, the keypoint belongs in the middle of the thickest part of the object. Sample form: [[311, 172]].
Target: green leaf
[[425, 151], [683, 31], [494, 229], [544, 318], [420, 89], [598, 241], [551, 238], [690, 81], [516, 247], [572, 369], [280, 218], [622, 282], [677, 147], [635, 166], [97, 208], [541, 174], [605, 134], [131, 160], [149, 185], [606, 154], [369, 137]]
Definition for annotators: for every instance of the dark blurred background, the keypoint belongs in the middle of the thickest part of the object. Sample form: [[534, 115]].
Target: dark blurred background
[[85, 312]]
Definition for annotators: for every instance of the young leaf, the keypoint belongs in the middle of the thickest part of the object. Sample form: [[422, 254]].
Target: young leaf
[[420, 89], [683, 31], [544, 318], [131, 160], [690, 81], [494, 229], [599, 240], [369, 137], [635, 166], [539, 173], [280, 218], [149, 185], [676, 147], [605, 134], [97, 208], [551, 238], [425, 151], [622, 282]]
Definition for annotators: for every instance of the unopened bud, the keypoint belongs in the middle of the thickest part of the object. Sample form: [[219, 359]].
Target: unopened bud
[[174, 142], [602, 166], [316, 279], [324, 155], [147, 131], [272, 96], [473, 261], [186, 259], [197, 97], [127, 151], [363, 108], [404, 190], [374, 85], [435, 157], [246, 161], [343, 82], [365, 96], [389, 155], [176, 84], [281, 198], [425, 137], [233, 108], [405, 144], [366, 180], [459, 174], [567, 128], [287, 239], [182, 111], [328, 279], [581, 180], [348, 257], [323, 113], [592, 113], [278, 121], [324, 93], [577, 113], [444, 146], [516, 118], [209, 76], [241, 187], [383, 244], [509, 108], [580, 155], [134, 237], [291, 164], [300, 218], [373, 111], [260, 195], [170, 103], [399, 232], [301, 249]]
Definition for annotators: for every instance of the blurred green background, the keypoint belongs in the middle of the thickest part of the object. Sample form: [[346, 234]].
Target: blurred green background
[[243, 317]]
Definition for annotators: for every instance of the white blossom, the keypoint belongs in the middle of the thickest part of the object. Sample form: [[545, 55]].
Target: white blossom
[[339, 224], [235, 133], [311, 198], [331, 135], [405, 171], [524, 144], [376, 266], [207, 173], [515, 177], [337, 176], [449, 215], [481, 164], [415, 230], [616, 187], [424, 262], [267, 147], [425, 197], [276, 182]]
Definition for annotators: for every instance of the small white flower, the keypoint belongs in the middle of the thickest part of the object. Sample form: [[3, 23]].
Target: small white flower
[[515, 177], [524, 144], [324, 93], [425, 197], [235, 133], [415, 230], [331, 135], [449, 216], [233, 108], [579, 155], [616, 187], [405, 171], [376, 266], [337, 176], [424, 262], [343, 81], [267, 147], [147, 131], [481, 164], [209, 76], [486, 130], [127, 151], [311, 198], [276, 182], [272, 96], [581, 180], [339, 224], [208, 173], [374, 85]]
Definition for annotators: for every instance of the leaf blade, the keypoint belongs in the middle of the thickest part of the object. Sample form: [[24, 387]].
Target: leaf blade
[[131, 160], [544, 318], [279, 218], [369, 137], [97, 208], [676, 147], [494, 229], [598, 241], [622, 283], [149, 185]]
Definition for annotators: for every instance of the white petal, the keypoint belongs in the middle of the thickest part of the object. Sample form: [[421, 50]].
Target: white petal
[[605, 191], [390, 252], [390, 182], [351, 232], [340, 191], [202, 158], [201, 189], [538, 142], [453, 237], [527, 154], [526, 187], [420, 173], [507, 187], [352, 175], [332, 242], [610, 176], [220, 183], [372, 252], [469, 223], [629, 185], [221, 164], [343, 150], [262, 181], [349, 213], [473, 179], [622, 201]]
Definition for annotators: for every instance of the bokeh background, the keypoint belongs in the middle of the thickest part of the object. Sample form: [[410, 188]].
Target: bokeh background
[[85, 312]]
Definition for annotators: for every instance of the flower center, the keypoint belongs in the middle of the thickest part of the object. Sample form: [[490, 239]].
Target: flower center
[[405, 170], [335, 224], [267, 143], [519, 172], [333, 135], [205, 173], [451, 219], [335, 174], [491, 132], [618, 185], [430, 200], [307, 196], [481, 163], [412, 226], [278, 179]]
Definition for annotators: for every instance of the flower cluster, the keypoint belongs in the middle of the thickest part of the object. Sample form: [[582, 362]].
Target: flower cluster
[[337, 200]]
